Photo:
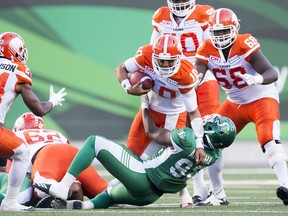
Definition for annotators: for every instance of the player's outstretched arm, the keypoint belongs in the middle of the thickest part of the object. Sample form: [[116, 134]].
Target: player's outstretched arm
[[34, 104]]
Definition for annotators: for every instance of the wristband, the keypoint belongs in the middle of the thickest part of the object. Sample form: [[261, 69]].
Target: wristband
[[199, 143], [258, 79], [197, 127], [144, 101], [125, 84]]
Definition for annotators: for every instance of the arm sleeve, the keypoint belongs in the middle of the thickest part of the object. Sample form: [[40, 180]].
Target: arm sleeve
[[131, 65], [155, 34], [190, 100]]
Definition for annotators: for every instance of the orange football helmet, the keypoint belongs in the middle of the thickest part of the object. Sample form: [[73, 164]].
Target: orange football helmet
[[12, 46], [181, 8], [28, 121], [223, 26], [166, 48]]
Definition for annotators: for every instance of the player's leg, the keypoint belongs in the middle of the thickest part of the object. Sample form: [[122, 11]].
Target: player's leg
[[218, 195], [135, 188], [208, 100], [12, 147], [266, 118]]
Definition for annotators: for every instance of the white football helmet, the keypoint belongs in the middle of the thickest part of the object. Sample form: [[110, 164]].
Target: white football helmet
[[28, 121], [166, 48], [12, 46], [181, 8], [220, 20]]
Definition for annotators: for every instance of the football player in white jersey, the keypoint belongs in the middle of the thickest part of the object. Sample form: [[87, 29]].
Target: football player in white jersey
[[247, 77], [43, 143], [173, 95], [16, 80], [188, 21], [142, 182]]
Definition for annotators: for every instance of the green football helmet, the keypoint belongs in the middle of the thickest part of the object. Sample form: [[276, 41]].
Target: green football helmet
[[219, 131]]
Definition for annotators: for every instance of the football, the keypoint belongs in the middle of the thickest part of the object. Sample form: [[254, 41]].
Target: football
[[146, 80]]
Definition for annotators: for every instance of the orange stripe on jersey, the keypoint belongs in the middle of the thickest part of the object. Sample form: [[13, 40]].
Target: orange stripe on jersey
[[23, 73], [186, 76], [206, 50], [243, 44], [143, 56], [162, 13], [201, 14]]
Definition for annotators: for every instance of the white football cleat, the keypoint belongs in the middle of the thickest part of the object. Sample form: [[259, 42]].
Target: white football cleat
[[56, 189], [15, 207], [219, 199]]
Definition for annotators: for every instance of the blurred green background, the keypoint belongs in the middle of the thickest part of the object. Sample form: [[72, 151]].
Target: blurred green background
[[78, 44]]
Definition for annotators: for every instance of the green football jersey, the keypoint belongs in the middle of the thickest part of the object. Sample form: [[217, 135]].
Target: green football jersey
[[170, 168]]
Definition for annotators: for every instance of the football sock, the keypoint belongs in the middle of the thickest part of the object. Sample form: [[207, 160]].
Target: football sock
[[215, 175], [199, 186], [280, 169]]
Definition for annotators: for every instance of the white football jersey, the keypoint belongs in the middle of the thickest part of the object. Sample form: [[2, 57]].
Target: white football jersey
[[38, 138], [225, 71], [10, 75], [191, 30]]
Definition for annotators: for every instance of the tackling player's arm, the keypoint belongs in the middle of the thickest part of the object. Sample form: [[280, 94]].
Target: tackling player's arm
[[159, 135]]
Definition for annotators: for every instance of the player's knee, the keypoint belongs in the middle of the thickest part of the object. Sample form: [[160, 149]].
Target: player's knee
[[21, 153], [275, 152], [90, 141]]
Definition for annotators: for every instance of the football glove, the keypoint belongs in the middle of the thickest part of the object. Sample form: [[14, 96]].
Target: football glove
[[57, 98], [250, 79]]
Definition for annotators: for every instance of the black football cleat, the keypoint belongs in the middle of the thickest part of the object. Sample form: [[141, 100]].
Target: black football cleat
[[282, 193], [45, 202], [68, 204], [43, 187]]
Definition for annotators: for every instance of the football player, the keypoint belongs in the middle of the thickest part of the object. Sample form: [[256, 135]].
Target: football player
[[43, 143], [144, 182], [173, 92], [188, 21], [16, 80], [247, 77]]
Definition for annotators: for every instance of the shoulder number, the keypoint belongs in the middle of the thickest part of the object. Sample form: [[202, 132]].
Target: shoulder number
[[251, 42]]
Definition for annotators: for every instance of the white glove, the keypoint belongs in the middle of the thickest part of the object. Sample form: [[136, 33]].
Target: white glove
[[199, 142], [250, 79], [144, 101], [57, 98]]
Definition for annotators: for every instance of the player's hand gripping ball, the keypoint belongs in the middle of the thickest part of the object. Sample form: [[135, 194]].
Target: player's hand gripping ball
[[147, 82]]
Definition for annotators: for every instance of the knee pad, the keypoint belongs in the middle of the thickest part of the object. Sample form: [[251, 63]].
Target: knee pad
[[275, 152], [21, 153]]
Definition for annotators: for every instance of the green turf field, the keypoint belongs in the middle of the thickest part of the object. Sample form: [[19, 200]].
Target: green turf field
[[251, 191]]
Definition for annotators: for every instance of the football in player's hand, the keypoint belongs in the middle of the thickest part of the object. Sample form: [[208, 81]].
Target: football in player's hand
[[146, 80]]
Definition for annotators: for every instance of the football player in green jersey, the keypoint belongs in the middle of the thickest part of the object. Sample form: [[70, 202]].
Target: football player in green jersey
[[144, 182]]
